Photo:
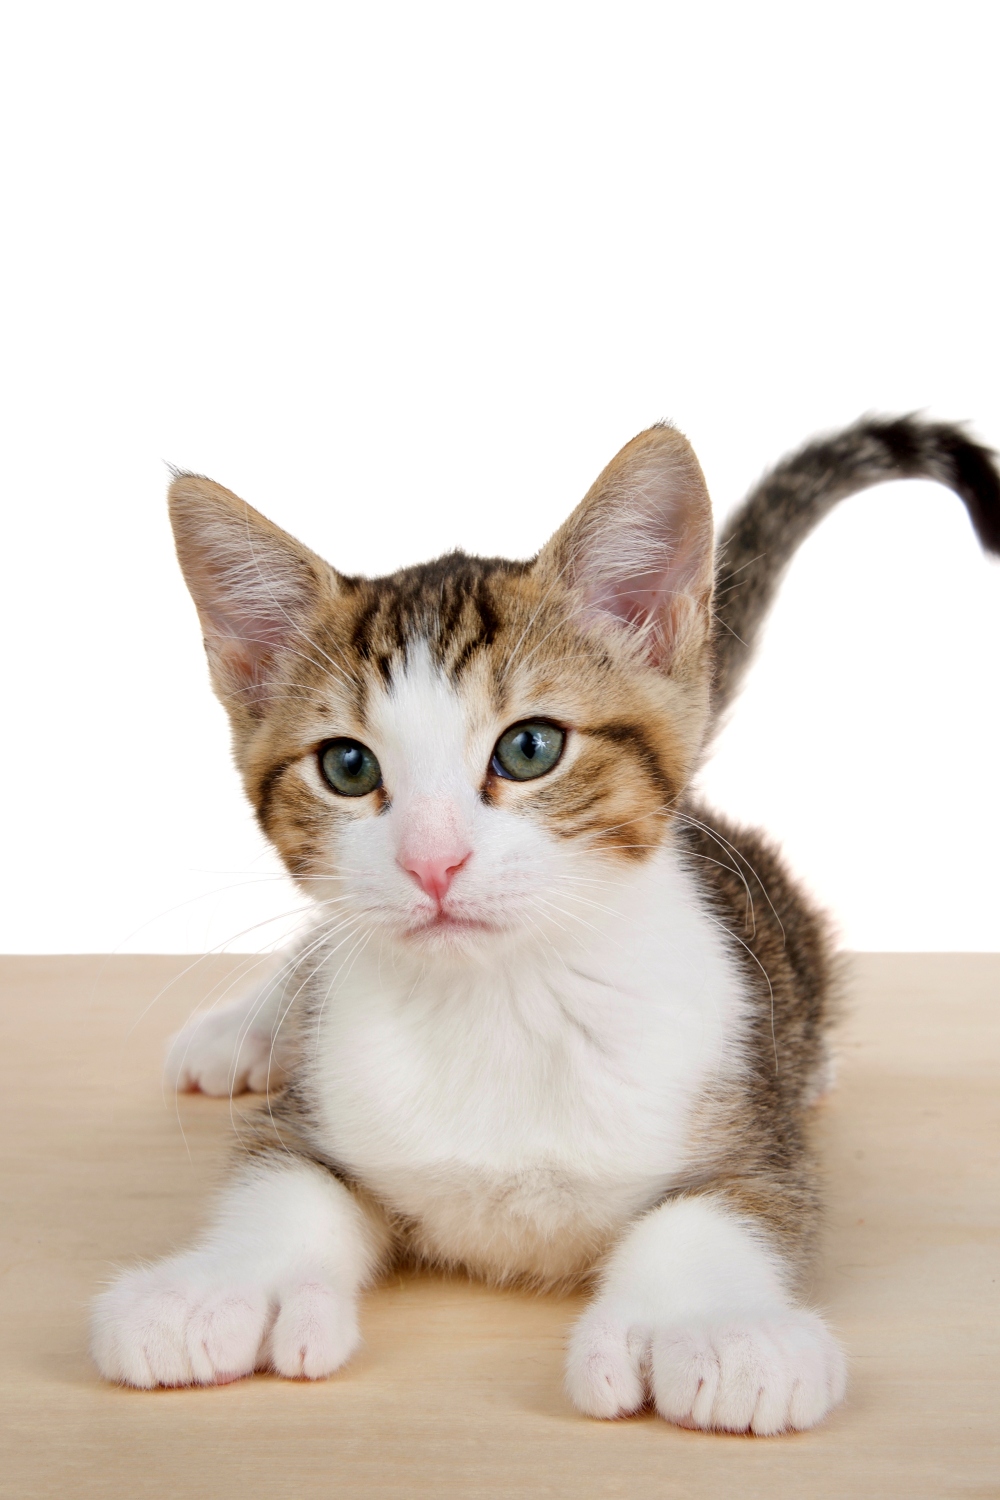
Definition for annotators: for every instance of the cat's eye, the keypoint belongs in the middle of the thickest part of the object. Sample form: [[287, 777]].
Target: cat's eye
[[527, 750], [349, 768]]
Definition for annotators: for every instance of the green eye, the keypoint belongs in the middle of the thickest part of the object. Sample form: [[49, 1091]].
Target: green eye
[[349, 768], [528, 750]]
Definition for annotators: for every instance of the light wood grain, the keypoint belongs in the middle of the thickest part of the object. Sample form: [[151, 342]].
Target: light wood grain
[[457, 1392]]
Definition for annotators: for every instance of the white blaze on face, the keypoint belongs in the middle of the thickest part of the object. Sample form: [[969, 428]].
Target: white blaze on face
[[423, 732], [423, 737], [436, 847]]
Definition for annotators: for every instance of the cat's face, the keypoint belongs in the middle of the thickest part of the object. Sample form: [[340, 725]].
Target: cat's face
[[466, 752]]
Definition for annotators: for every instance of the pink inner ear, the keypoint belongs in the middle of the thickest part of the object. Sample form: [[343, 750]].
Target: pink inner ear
[[638, 548], [636, 600], [649, 565], [242, 664], [248, 618], [256, 588], [254, 623], [249, 590]]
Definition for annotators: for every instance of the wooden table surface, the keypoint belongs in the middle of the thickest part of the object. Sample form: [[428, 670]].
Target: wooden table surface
[[457, 1391]]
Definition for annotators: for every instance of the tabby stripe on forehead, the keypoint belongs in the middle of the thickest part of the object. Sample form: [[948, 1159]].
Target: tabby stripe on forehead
[[438, 601], [480, 635], [633, 738], [377, 635]]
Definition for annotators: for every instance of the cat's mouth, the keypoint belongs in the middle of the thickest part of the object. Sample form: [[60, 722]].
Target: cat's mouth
[[443, 923]]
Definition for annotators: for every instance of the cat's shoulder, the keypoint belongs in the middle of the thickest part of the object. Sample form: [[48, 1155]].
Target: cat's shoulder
[[781, 936]]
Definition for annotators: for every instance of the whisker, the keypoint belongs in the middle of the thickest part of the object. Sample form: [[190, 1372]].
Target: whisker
[[720, 839], [200, 958]]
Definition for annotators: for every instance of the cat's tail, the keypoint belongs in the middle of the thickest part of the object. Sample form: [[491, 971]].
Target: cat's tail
[[758, 540]]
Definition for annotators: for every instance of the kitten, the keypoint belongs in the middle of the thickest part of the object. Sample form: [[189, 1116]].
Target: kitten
[[553, 1022]]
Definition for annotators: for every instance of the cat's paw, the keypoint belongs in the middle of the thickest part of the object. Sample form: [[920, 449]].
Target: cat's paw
[[220, 1054], [315, 1332], [179, 1324], [763, 1375]]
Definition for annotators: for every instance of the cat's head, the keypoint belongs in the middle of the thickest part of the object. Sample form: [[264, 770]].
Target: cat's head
[[467, 749]]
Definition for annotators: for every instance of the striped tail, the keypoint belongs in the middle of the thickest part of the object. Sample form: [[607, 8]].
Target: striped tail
[[759, 539]]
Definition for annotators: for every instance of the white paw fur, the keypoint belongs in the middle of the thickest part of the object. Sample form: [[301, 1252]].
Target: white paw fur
[[693, 1314], [224, 1053], [183, 1322], [274, 1285], [778, 1371], [315, 1332]]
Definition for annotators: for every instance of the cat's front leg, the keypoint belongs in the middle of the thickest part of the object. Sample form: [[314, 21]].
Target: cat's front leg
[[274, 1285], [694, 1313]]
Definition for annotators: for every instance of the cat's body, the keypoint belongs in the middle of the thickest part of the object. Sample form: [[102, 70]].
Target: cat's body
[[514, 1119], [527, 1168], [553, 1021]]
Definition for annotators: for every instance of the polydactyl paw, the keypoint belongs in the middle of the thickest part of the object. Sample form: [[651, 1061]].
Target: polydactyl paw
[[764, 1374], [182, 1323]]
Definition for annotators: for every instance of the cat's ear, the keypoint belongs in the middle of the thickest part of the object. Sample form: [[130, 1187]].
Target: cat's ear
[[637, 551], [257, 589]]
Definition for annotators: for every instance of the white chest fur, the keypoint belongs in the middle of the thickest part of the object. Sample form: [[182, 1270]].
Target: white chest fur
[[518, 1111]]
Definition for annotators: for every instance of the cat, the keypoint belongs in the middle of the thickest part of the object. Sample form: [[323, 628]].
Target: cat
[[554, 1023]]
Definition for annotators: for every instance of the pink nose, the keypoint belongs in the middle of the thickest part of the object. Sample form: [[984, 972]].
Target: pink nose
[[435, 875]]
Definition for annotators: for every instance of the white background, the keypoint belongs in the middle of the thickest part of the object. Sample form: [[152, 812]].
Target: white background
[[406, 276]]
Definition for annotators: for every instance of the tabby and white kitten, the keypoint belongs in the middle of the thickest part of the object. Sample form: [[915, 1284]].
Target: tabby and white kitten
[[553, 1022]]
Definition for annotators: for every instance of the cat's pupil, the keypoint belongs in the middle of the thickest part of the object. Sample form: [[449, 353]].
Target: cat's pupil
[[527, 744], [352, 761]]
